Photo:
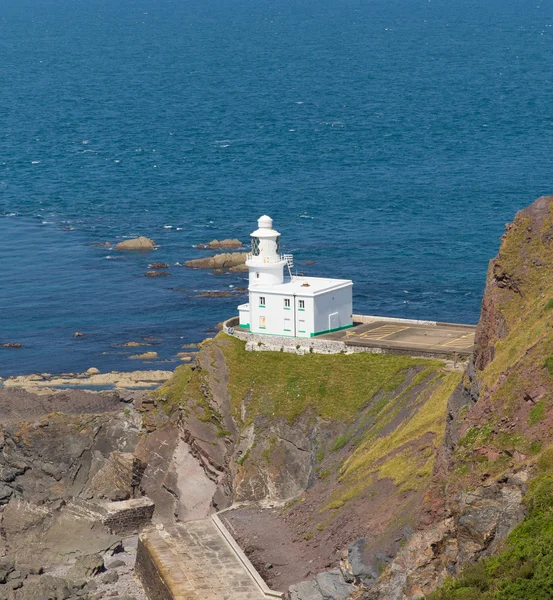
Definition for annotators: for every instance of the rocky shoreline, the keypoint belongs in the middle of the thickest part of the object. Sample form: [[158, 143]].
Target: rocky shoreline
[[91, 379]]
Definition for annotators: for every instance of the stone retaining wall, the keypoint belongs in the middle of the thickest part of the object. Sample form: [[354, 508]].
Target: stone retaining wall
[[128, 516], [274, 343], [150, 570]]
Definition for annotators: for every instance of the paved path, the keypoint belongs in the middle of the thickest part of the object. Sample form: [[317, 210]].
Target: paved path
[[439, 339], [201, 564]]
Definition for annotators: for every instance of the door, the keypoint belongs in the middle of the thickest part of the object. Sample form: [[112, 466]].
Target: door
[[333, 320]]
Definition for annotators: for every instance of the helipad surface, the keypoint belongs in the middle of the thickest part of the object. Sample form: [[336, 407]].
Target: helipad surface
[[446, 339]]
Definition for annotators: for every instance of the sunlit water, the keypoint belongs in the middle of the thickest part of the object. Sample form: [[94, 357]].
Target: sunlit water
[[389, 139]]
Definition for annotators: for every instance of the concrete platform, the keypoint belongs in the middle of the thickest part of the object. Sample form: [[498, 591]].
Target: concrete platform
[[195, 561], [432, 339]]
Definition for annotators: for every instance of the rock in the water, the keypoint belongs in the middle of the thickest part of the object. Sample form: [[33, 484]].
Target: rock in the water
[[145, 356], [11, 345], [156, 274], [78, 334], [139, 243], [225, 262], [92, 371], [158, 265], [221, 245]]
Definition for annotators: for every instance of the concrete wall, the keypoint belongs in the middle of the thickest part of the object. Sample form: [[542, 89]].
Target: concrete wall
[[150, 568], [336, 302]]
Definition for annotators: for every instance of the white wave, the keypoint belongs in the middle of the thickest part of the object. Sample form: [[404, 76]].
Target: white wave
[[11, 215], [167, 227], [180, 228], [36, 162]]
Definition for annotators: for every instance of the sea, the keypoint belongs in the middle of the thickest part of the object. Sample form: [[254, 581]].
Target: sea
[[390, 141]]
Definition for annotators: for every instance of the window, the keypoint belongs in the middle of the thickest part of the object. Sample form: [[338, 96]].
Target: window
[[257, 275], [301, 305], [255, 246], [286, 302], [262, 322], [278, 245], [262, 301]]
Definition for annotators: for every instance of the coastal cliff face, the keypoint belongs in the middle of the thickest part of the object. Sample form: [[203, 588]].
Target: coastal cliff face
[[381, 477], [317, 451], [496, 451]]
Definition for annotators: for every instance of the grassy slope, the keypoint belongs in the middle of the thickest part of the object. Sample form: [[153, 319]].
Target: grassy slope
[[337, 386]]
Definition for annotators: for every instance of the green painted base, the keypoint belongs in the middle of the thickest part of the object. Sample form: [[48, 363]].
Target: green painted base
[[246, 326], [332, 330]]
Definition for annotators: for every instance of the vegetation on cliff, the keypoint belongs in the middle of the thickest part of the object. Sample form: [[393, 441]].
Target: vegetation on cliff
[[511, 421], [283, 385], [524, 569]]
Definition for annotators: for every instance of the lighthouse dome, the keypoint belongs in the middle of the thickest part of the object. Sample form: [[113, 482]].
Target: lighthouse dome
[[265, 228], [265, 222]]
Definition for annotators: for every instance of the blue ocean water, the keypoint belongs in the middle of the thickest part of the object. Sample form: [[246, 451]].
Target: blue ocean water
[[390, 140]]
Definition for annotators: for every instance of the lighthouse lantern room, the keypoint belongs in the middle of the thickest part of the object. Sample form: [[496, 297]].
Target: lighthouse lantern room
[[281, 303]]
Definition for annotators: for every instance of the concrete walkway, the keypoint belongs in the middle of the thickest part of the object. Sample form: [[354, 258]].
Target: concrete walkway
[[197, 563]]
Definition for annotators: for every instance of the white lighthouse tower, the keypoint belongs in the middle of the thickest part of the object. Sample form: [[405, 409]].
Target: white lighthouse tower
[[265, 264], [286, 305]]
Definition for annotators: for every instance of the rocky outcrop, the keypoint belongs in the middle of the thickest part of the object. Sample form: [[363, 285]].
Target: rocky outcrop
[[233, 262], [498, 419], [227, 244], [139, 243]]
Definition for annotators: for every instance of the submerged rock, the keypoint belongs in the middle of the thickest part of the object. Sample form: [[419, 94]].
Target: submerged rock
[[224, 262], [139, 243], [227, 244], [156, 274], [11, 345], [145, 356]]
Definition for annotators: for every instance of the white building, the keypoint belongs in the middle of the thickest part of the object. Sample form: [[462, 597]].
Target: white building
[[293, 306]]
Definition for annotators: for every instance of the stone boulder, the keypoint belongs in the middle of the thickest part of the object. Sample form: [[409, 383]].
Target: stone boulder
[[223, 262], [47, 587], [139, 243], [145, 356], [86, 566], [329, 585], [227, 244]]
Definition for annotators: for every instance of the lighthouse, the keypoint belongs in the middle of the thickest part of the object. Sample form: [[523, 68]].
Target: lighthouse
[[265, 264], [281, 303]]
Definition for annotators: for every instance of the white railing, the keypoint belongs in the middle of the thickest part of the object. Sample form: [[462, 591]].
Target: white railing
[[267, 260]]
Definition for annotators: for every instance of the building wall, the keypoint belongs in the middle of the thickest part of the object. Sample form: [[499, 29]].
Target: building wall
[[280, 320], [244, 312], [337, 302]]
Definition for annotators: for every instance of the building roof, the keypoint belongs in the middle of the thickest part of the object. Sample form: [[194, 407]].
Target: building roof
[[303, 286]]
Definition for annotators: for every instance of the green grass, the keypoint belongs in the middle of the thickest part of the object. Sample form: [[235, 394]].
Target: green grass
[[537, 414], [337, 386], [548, 364], [339, 443], [524, 569]]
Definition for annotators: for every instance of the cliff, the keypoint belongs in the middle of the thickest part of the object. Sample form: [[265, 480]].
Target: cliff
[[487, 516]]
